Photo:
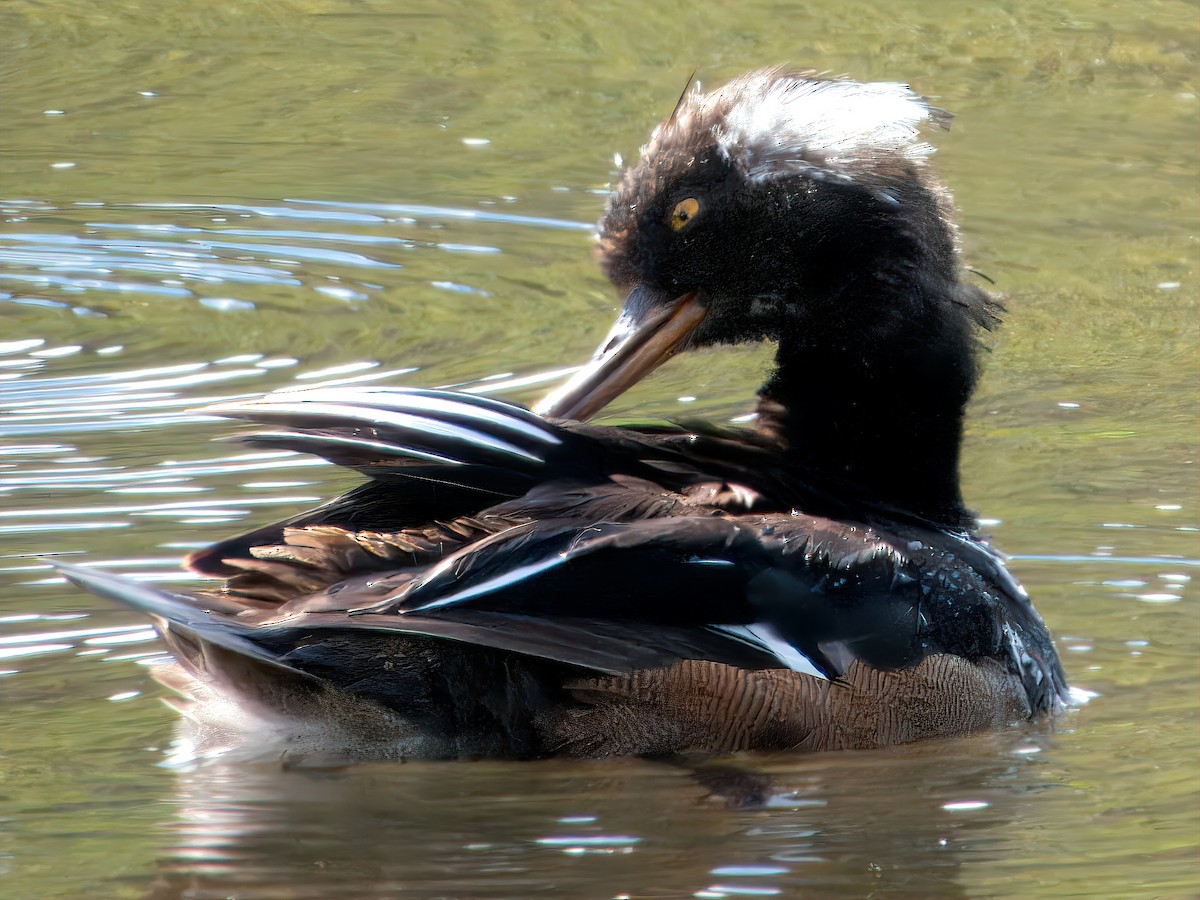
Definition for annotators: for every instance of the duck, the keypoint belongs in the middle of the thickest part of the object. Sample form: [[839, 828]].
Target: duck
[[516, 583]]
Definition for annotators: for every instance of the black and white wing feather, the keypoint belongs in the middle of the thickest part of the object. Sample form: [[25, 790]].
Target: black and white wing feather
[[582, 585]]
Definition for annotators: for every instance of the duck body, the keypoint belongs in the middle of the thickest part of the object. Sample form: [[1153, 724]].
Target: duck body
[[513, 584]]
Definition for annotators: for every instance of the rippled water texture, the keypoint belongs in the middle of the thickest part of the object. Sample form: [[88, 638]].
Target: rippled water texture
[[204, 201]]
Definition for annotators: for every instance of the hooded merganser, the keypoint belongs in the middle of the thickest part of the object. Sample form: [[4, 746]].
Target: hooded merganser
[[515, 584]]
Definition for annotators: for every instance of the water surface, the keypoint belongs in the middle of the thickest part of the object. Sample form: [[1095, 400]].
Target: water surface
[[208, 201]]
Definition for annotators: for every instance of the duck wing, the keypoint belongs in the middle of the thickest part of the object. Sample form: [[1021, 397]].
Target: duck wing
[[425, 459], [431, 456], [804, 593], [434, 459], [592, 560]]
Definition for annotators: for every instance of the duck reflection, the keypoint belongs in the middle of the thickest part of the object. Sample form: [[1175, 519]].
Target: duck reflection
[[914, 821]]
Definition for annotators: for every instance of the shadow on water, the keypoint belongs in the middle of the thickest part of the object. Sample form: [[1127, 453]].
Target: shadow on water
[[899, 823]]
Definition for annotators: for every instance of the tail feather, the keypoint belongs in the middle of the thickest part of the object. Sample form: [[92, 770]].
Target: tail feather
[[179, 617], [235, 692]]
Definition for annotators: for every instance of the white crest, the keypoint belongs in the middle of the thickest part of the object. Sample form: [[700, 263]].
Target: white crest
[[769, 123]]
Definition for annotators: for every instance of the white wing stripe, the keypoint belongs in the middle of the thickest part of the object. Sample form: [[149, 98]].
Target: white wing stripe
[[499, 582], [348, 443], [371, 416], [401, 400], [764, 637]]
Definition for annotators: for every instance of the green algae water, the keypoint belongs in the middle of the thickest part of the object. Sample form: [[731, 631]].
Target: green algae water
[[207, 201]]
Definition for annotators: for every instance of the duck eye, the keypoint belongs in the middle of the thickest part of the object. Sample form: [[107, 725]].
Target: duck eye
[[684, 212]]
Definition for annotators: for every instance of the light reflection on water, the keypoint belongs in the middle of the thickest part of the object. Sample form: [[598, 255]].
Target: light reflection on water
[[161, 271], [765, 826]]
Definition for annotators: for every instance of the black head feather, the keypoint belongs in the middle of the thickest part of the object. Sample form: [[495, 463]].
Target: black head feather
[[802, 209]]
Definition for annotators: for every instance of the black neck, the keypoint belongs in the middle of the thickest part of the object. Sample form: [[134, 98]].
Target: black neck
[[876, 413]]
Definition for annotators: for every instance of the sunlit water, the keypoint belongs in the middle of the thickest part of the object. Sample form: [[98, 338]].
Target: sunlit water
[[216, 200]]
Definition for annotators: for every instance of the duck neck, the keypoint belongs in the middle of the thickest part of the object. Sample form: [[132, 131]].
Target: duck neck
[[877, 418]]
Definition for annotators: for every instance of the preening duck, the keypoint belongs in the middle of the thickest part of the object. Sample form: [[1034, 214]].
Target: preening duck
[[520, 584]]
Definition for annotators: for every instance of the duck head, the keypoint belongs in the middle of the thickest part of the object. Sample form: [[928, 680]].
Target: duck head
[[799, 209], [761, 211]]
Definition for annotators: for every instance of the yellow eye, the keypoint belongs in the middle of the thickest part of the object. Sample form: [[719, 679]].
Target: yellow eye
[[684, 212]]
